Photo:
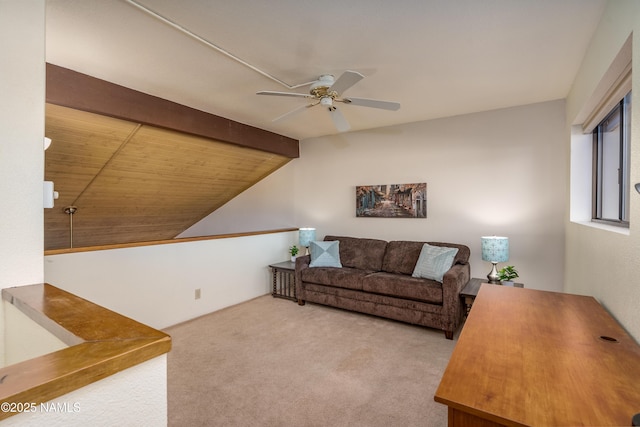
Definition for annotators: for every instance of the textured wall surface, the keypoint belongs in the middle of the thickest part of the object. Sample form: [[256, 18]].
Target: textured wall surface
[[21, 141], [601, 262], [21, 144], [133, 397], [493, 173]]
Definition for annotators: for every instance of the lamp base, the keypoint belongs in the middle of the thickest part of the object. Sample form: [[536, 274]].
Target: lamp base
[[493, 275]]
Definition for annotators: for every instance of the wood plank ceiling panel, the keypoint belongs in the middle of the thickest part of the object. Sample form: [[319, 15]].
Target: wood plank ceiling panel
[[150, 184], [83, 144]]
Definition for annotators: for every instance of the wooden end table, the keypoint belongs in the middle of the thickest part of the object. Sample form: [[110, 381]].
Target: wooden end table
[[470, 291], [284, 280]]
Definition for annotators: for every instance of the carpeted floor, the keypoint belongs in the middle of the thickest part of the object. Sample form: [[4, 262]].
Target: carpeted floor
[[270, 362]]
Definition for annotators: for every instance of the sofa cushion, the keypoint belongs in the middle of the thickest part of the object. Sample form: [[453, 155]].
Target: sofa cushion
[[403, 286], [325, 254], [434, 261], [403, 309], [349, 278], [462, 257], [364, 254], [402, 256]]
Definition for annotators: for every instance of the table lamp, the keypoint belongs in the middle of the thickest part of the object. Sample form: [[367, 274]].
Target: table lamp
[[495, 249], [306, 236]]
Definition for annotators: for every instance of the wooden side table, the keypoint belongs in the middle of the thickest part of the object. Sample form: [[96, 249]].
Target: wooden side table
[[284, 280], [470, 291]]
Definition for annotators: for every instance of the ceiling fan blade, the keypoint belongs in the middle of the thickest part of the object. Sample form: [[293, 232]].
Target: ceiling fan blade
[[297, 95], [293, 112], [339, 120], [374, 103], [345, 81]]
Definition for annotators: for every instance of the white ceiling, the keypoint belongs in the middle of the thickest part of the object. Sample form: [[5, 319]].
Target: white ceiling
[[438, 58]]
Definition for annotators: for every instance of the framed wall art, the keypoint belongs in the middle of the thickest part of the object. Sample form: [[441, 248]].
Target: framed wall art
[[392, 201]]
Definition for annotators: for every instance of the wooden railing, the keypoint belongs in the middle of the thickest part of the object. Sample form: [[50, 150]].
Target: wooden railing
[[105, 343], [165, 242]]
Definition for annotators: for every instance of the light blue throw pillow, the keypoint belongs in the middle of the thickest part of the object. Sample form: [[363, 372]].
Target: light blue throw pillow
[[325, 254], [434, 261]]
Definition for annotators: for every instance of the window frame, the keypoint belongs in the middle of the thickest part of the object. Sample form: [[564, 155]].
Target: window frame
[[623, 108]]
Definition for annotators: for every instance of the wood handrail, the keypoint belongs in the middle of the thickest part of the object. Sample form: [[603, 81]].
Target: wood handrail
[[109, 343], [165, 242]]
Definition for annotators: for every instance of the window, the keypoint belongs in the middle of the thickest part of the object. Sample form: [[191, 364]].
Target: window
[[599, 168], [611, 141]]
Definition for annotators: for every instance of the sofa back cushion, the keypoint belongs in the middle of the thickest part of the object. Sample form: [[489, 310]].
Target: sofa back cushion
[[401, 256], [363, 254], [462, 257]]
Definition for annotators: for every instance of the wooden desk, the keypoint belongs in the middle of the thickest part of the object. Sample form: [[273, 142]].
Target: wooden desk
[[536, 358], [470, 291]]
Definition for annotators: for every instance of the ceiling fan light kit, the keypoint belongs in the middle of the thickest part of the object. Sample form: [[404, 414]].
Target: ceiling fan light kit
[[326, 101], [326, 91]]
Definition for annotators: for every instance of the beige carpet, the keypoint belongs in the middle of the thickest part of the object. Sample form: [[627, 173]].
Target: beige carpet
[[270, 362]]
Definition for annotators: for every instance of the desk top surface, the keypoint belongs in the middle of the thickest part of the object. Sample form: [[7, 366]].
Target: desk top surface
[[473, 287], [528, 357]]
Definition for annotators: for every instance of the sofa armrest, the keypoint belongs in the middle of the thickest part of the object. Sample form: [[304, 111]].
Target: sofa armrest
[[302, 262], [453, 282]]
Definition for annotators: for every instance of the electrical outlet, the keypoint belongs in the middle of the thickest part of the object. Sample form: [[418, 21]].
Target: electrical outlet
[[198, 293]]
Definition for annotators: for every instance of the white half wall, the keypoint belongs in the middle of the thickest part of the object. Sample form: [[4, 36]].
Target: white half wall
[[156, 285], [134, 397], [599, 262]]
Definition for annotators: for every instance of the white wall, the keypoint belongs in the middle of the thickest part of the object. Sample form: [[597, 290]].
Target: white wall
[[256, 209], [156, 285], [498, 172], [600, 262], [22, 82], [22, 85], [25, 338], [107, 403]]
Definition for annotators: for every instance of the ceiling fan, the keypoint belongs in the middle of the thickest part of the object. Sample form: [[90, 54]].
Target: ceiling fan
[[326, 91]]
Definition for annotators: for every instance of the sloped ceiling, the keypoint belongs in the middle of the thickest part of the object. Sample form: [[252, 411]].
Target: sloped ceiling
[[132, 181]]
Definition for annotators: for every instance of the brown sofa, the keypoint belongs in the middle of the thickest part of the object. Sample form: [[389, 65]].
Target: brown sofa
[[376, 278]]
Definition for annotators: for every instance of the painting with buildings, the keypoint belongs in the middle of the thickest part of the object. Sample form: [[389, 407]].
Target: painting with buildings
[[392, 200]]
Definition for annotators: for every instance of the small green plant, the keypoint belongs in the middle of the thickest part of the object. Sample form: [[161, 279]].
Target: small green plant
[[293, 250], [508, 273]]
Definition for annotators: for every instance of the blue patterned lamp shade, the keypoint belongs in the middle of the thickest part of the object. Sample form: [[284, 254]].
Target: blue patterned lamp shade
[[495, 249], [306, 236]]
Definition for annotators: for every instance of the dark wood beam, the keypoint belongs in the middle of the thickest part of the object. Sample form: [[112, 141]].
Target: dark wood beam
[[71, 89]]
